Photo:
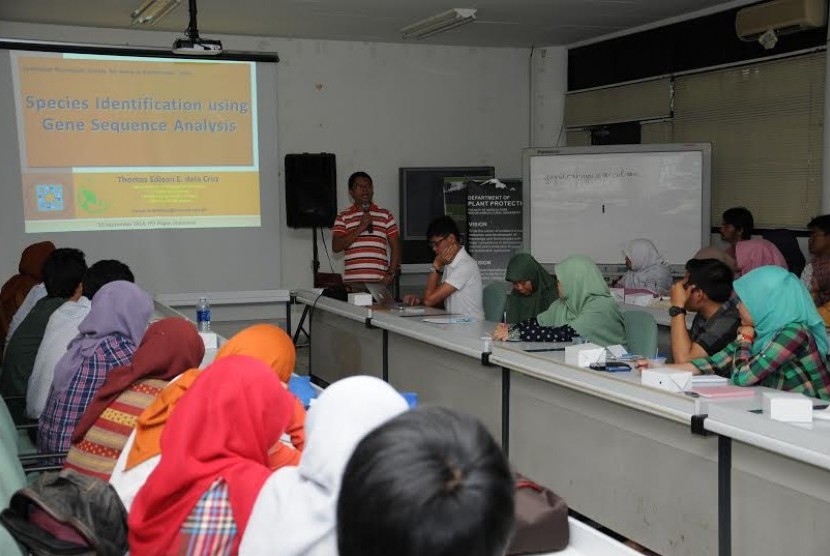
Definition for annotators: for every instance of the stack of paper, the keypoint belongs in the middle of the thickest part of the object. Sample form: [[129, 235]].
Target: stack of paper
[[709, 380]]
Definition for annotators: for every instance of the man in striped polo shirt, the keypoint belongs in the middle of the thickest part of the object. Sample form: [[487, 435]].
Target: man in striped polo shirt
[[368, 234]]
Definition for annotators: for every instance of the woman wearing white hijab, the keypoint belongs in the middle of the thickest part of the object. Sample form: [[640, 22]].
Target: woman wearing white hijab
[[646, 268], [296, 510]]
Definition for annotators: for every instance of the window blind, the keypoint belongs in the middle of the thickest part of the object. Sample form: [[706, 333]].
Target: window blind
[[626, 103], [764, 121]]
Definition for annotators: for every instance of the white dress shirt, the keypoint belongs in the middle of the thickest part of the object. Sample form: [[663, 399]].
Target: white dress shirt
[[60, 330], [463, 274]]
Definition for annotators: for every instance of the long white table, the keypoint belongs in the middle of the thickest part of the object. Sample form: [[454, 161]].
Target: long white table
[[620, 453], [775, 481]]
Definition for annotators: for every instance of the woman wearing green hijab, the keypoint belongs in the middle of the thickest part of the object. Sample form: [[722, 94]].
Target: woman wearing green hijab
[[584, 308], [781, 343], [533, 288]]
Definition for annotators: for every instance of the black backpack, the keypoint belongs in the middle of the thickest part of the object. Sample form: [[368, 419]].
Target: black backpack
[[64, 505]]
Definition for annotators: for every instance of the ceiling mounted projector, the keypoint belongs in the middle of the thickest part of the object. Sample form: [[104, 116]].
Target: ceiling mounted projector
[[192, 44], [198, 47]]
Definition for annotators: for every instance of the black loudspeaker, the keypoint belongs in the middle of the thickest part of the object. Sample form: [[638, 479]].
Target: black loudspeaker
[[310, 194]]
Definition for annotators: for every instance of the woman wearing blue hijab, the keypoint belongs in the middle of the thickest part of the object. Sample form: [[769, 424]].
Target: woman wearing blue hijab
[[781, 343]]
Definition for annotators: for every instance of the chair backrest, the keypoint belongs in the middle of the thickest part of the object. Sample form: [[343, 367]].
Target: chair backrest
[[495, 295], [640, 333], [787, 243]]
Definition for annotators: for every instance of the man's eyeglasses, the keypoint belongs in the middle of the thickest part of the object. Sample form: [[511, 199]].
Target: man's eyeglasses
[[434, 243]]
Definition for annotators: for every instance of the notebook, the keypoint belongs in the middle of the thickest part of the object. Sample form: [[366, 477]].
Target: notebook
[[728, 391]]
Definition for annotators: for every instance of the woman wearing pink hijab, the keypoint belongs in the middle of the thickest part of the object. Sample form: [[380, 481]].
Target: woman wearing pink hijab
[[753, 253]]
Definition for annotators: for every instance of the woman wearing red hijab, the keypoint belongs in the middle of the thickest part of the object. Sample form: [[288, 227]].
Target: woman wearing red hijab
[[215, 445]]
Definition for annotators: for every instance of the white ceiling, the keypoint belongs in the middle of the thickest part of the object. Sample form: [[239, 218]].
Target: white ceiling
[[516, 23]]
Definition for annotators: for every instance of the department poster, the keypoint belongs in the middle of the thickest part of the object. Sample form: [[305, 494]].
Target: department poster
[[494, 224]]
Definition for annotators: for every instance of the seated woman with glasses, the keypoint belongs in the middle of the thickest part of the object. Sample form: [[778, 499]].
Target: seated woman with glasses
[[781, 343], [584, 308]]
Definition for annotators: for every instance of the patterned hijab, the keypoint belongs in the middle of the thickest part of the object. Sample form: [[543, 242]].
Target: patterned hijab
[[587, 305], [169, 347], [520, 307]]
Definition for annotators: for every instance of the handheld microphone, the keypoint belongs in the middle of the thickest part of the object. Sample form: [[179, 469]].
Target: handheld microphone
[[371, 228]]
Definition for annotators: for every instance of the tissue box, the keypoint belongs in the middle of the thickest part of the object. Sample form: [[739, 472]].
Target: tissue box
[[582, 355], [673, 380], [361, 299], [210, 339], [788, 406]]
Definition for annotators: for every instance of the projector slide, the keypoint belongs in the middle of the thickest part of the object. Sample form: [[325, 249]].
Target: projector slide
[[118, 143]]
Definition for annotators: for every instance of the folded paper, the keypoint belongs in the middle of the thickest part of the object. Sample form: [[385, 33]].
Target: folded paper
[[789, 407], [673, 380]]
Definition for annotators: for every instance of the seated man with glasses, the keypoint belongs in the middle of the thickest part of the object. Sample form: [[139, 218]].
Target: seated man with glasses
[[454, 280]]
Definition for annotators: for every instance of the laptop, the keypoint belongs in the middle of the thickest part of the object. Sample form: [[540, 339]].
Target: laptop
[[382, 296]]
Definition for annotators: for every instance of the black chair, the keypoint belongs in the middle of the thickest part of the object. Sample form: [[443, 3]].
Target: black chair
[[787, 243]]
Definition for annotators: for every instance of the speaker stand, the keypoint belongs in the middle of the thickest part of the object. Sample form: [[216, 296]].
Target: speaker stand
[[315, 254], [315, 268]]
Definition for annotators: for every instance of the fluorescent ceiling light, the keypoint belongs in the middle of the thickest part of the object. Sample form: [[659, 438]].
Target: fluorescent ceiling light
[[150, 11], [444, 21]]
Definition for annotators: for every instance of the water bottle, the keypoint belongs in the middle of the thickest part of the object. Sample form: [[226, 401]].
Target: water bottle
[[203, 315]]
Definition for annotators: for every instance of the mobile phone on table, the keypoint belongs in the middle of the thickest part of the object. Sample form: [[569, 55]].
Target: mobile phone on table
[[611, 367]]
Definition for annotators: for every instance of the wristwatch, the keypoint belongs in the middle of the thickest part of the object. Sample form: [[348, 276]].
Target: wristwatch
[[435, 270], [674, 310]]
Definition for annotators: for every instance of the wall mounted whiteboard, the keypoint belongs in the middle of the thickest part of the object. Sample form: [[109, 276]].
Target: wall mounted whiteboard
[[593, 200]]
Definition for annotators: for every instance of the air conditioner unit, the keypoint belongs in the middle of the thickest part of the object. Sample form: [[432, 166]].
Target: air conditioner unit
[[780, 17]]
